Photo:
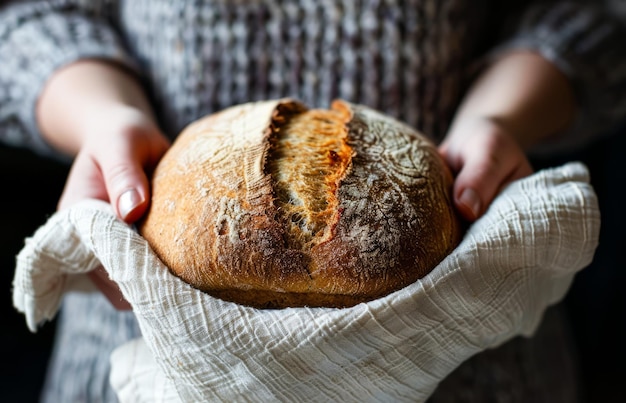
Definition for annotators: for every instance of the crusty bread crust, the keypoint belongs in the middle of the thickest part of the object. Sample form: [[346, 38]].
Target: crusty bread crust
[[273, 205]]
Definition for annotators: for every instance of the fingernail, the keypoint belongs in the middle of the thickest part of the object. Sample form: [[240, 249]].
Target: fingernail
[[470, 199], [128, 201]]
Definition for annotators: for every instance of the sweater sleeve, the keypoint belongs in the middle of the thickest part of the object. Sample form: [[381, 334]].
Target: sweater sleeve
[[585, 41], [37, 38]]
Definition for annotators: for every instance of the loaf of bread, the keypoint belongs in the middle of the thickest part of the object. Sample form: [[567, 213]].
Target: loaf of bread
[[272, 204]]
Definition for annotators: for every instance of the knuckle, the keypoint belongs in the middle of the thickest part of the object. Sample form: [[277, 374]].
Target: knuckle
[[119, 176]]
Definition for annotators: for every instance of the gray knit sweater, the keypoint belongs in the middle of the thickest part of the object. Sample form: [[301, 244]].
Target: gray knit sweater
[[412, 59]]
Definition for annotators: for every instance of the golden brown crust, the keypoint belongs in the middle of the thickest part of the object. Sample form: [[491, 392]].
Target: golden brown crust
[[269, 204]]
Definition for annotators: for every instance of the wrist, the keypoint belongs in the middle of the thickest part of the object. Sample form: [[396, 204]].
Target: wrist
[[81, 97], [524, 94], [105, 122]]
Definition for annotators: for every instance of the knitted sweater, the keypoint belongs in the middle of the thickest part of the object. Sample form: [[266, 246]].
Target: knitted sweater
[[412, 59]]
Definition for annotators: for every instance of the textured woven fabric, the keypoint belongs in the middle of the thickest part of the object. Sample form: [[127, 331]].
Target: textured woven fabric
[[513, 263]]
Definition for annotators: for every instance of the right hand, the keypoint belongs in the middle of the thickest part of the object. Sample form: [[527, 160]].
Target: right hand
[[112, 165], [118, 151]]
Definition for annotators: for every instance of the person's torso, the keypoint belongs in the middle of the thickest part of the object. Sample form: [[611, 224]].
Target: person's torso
[[407, 58]]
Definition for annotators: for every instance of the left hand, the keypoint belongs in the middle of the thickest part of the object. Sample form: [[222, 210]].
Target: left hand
[[484, 158], [516, 102]]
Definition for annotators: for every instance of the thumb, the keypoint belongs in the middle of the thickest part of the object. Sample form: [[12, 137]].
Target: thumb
[[127, 186], [124, 170], [484, 167], [476, 185], [113, 177]]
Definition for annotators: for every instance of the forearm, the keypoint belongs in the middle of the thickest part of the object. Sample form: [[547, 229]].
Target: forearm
[[76, 97], [37, 39], [584, 39], [525, 94]]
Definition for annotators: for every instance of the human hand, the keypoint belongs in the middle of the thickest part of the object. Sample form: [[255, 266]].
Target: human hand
[[99, 113], [515, 103], [111, 166], [119, 147], [484, 157]]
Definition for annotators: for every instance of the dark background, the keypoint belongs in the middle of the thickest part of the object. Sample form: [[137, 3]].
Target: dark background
[[31, 186], [596, 303]]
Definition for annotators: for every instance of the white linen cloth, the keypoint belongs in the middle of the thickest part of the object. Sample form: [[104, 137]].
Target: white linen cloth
[[514, 262]]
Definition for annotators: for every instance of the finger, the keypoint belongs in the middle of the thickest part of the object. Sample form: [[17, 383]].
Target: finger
[[110, 290], [124, 172], [127, 185], [485, 171]]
